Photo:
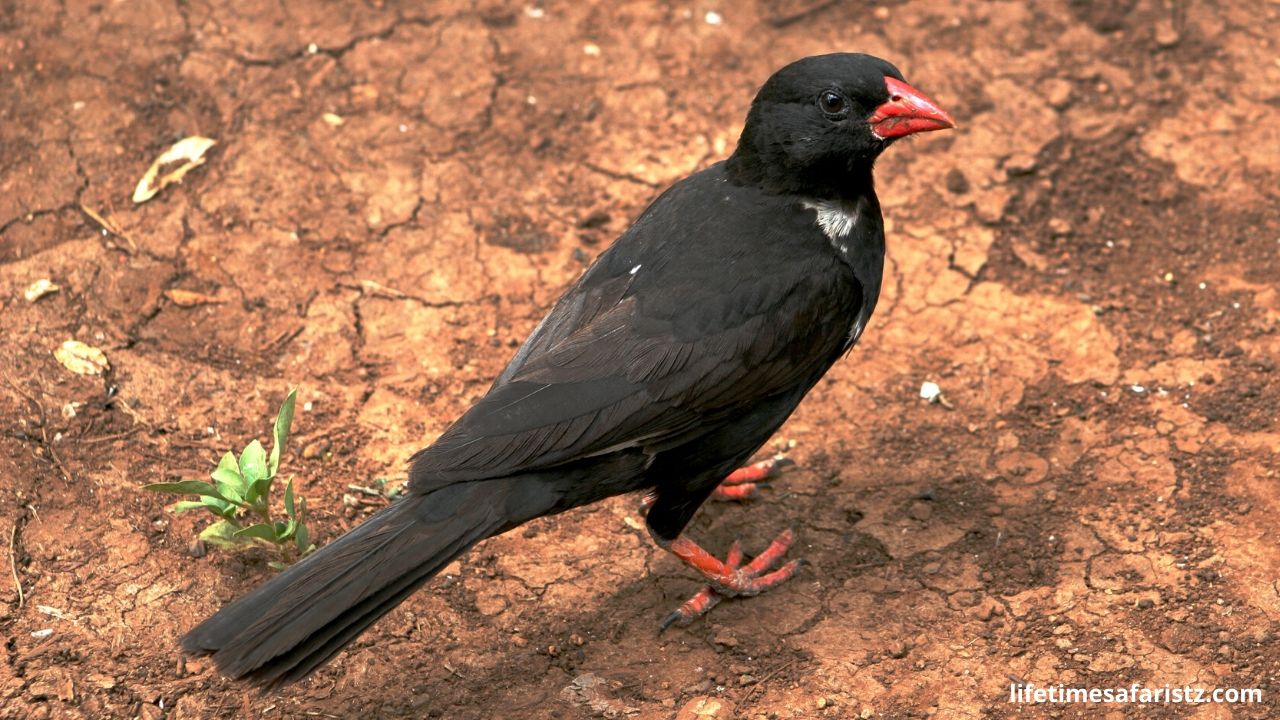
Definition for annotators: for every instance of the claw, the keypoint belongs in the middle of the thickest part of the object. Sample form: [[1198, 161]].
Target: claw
[[756, 472], [747, 482], [739, 491], [730, 578]]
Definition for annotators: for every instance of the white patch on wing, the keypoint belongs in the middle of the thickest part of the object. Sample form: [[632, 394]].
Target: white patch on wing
[[836, 219], [855, 332], [635, 269]]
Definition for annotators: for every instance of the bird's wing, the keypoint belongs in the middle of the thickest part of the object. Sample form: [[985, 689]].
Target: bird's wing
[[641, 357]]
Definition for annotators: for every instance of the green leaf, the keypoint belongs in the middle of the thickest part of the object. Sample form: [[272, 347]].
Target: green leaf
[[259, 490], [185, 505], [185, 487], [219, 506], [221, 533], [303, 539], [289, 508], [280, 435], [227, 477], [253, 463], [277, 565], [261, 531], [227, 470]]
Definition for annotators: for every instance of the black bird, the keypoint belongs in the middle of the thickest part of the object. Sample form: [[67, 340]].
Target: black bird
[[668, 364]]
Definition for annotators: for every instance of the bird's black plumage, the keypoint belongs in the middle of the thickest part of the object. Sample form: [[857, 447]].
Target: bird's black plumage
[[664, 367]]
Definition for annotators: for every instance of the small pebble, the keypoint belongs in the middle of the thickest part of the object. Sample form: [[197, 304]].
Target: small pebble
[[1020, 164], [706, 708], [316, 448], [1166, 34], [725, 638], [1057, 92]]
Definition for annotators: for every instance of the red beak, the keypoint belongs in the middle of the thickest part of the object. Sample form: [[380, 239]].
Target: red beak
[[907, 111]]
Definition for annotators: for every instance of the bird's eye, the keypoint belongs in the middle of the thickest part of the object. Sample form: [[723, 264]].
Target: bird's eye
[[832, 103]]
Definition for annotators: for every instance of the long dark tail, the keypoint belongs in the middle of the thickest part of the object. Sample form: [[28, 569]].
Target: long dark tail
[[294, 623]]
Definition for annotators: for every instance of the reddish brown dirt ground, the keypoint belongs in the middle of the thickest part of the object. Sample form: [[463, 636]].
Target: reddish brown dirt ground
[[1087, 267]]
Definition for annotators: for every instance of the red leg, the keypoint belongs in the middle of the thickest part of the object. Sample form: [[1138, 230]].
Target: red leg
[[746, 482], [729, 578], [705, 599]]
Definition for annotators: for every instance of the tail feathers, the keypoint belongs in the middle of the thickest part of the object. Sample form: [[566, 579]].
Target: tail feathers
[[289, 626]]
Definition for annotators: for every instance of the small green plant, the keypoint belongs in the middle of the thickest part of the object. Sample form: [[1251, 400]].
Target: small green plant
[[240, 495]]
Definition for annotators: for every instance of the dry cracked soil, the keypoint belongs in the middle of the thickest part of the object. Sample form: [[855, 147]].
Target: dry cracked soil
[[1089, 268]]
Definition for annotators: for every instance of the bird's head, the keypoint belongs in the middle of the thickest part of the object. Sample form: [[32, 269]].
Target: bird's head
[[817, 126]]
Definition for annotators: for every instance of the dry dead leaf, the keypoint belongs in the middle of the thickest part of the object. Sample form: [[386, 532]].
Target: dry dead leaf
[[40, 288], [373, 287], [190, 298], [81, 359], [188, 153], [109, 226]]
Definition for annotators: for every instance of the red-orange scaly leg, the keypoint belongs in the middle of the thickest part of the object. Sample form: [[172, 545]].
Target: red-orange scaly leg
[[729, 578], [746, 482]]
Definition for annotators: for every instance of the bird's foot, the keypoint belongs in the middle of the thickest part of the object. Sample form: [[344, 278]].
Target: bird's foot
[[730, 578], [746, 482]]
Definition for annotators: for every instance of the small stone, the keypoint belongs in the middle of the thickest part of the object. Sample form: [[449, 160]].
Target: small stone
[[706, 708], [490, 604], [921, 510], [105, 682], [822, 703], [1057, 92], [197, 549], [39, 289], [725, 638], [1059, 227], [1166, 34], [316, 448], [956, 182], [519, 641], [595, 220], [897, 649], [577, 639], [1020, 164]]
